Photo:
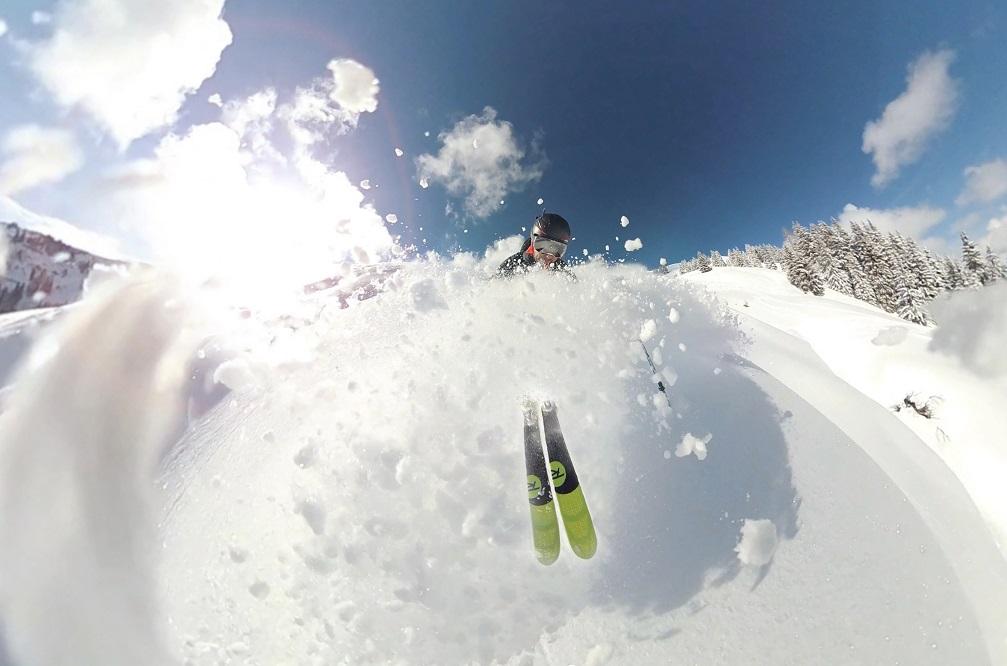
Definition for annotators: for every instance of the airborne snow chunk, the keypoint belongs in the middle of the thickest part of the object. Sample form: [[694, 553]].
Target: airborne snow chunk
[[692, 444], [391, 218], [633, 245], [648, 330], [673, 316], [758, 542], [624, 221], [398, 152]]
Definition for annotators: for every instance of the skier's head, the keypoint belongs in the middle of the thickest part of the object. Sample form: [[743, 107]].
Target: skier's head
[[549, 238]]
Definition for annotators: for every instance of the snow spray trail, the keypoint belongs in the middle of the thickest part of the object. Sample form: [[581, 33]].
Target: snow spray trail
[[368, 506], [78, 439]]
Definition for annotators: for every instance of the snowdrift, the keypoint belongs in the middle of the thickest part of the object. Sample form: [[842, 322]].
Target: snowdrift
[[358, 496]]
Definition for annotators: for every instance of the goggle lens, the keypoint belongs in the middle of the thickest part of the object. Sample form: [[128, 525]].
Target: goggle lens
[[549, 246]]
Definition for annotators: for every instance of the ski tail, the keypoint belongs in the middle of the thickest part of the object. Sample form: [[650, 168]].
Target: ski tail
[[572, 503], [544, 526]]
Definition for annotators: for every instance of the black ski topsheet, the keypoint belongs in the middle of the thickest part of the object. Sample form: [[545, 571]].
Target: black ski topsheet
[[545, 528]]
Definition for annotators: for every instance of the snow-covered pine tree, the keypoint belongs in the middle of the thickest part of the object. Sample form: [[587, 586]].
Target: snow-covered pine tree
[[934, 274], [909, 304], [953, 277], [734, 257], [703, 263], [716, 260], [751, 258], [834, 271], [884, 267], [800, 271], [995, 268], [863, 284], [973, 267]]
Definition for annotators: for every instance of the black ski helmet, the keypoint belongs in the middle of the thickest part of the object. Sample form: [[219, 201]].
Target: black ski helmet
[[552, 226]]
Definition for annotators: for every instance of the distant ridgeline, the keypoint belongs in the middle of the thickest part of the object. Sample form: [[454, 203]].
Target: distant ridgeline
[[42, 271], [890, 271]]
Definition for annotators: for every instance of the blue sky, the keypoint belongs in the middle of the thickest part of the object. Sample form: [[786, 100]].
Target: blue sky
[[708, 126]]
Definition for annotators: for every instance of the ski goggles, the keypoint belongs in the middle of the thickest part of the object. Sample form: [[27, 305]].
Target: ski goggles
[[549, 246]]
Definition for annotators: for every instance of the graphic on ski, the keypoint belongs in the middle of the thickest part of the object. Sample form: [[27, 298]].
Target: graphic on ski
[[572, 505], [544, 526]]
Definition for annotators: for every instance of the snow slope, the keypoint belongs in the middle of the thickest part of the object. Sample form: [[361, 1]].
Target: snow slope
[[885, 358], [359, 495]]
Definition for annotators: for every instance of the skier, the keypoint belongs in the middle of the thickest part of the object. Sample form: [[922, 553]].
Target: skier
[[545, 247]]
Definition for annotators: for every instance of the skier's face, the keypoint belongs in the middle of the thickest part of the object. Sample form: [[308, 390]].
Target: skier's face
[[545, 259], [547, 250]]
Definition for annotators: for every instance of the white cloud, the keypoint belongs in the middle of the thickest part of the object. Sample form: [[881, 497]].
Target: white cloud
[[480, 160], [130, 63], [900, 135], [35, 155], [215, 100], [909, 221], [41, 18], [3, 27], [984, 183]]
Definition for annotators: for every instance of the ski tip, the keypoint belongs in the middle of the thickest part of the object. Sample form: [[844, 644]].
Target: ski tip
[[585, 551], [547, 558]]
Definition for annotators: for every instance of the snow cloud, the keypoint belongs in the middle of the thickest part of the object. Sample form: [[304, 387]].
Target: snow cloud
[[996, 234], [332, 104], [130, 63], [213, 198], [909, 221], [35, 155], [972, 327], [480, 159], [354, 86], [984, 183], [900, 135]]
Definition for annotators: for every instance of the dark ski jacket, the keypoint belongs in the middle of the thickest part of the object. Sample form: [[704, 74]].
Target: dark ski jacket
[[523, 261]]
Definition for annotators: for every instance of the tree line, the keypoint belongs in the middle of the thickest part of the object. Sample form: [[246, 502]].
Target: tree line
[[891, 271]]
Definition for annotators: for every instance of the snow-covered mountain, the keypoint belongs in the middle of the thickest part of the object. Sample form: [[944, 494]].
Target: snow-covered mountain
[[360, 495], [42, 271]]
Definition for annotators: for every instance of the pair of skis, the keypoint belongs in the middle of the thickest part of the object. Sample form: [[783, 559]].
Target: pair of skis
[[561, 475]]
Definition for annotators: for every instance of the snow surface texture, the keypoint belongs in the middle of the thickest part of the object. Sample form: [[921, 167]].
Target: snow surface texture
[[359, 497]]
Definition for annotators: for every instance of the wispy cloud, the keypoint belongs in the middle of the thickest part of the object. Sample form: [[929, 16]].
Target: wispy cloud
[[481, 160], [900, 135], [984, 183], [35, 155], [3, 27], [910, 221], [130, 63]]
